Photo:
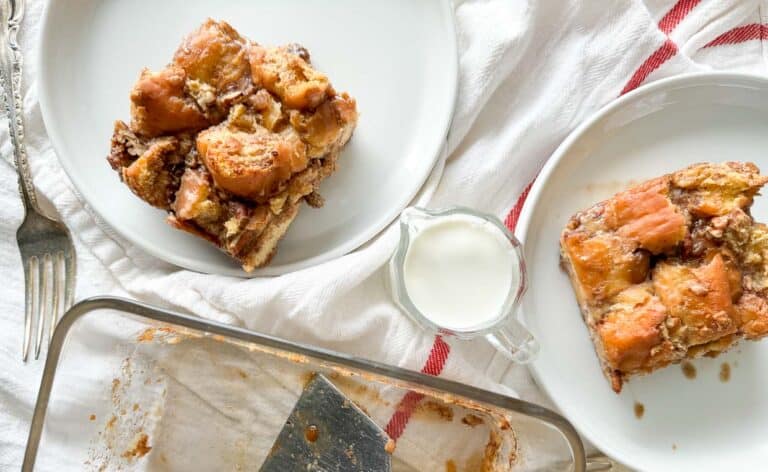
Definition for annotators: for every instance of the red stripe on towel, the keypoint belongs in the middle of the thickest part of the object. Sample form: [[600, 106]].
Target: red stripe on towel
[[674, 16], [654, 61], [434, 365], [514, 214], [740, 34], [667, 24]]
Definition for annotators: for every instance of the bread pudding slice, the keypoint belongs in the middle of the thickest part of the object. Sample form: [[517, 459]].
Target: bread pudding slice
[[671, 269], [231, 137]]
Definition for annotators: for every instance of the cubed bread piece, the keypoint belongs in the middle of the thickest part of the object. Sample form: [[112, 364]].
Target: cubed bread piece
[[150, 176], [716, 189], [645, 214], [699, 297], [605, 264], [289, 76], [159, 105], [630, 336], [215, 60], [255, 165]]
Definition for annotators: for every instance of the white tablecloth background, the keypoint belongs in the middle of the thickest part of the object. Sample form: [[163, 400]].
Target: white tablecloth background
[[530, 71]]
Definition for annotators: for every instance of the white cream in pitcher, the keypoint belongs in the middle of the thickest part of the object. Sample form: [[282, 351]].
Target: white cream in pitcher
[[459, 271]]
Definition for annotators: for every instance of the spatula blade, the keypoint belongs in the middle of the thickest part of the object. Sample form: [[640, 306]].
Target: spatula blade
[[327, 432]]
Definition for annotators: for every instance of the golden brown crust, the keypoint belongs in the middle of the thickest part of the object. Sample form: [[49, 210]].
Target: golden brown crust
[[215, 54], [699, 297], [604, 264], [231, 137], [159, 105], [646, 215], [753, 311], [254, 165], [670, 269], [215, 60], [327, 126], [713, 190], [632, 328], [288, 76]]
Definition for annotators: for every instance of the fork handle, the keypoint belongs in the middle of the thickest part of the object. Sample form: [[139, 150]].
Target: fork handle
[[11, 62]]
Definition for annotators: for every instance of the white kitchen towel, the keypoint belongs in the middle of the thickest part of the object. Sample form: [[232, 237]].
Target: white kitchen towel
[[530, 71]]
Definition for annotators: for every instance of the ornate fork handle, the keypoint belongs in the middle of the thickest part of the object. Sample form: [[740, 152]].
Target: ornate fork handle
[[11, 61]]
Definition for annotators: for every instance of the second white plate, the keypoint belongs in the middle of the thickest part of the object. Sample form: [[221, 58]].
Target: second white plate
[[688, 425], [397, 58]]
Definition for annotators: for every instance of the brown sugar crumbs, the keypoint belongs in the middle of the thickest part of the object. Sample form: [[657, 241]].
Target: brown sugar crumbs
[[639, 410], [725, 372], [689, 370]]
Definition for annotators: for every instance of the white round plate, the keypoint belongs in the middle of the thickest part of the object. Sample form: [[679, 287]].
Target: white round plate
[[688, 425], [397, 58]]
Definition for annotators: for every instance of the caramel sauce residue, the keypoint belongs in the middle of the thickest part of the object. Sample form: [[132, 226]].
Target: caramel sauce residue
[[437, 410], [139, 448], [389, 447], [306, 377], [472, 420], [450, 466], [725, 372], [111, 422], [689, 370], [146, 336], [311, 433], [639, 410]]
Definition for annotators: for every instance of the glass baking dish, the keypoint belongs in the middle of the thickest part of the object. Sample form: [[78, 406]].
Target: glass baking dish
[[130, 387]]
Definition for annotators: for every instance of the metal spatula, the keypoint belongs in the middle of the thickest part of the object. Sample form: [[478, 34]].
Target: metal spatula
[[327, 432]]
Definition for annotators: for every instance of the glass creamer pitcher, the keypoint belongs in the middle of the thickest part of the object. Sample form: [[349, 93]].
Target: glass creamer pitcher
[[461, 273]]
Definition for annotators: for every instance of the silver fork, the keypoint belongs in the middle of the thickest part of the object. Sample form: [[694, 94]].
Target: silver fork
[[47, 253]]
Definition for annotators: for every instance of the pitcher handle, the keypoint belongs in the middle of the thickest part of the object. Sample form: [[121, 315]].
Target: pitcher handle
[[514, 341]]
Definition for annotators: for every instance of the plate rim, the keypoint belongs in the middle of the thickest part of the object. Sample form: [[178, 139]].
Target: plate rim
[[350, 245], [527, 212]]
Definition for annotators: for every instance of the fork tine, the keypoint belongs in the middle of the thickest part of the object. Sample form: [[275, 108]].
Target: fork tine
[[43, 300], [30, 280], [58, 292], [69, 279]]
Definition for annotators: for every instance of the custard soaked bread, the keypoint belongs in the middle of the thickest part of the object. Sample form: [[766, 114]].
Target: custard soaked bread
[[673, 268], [231, 137]]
